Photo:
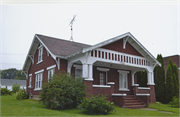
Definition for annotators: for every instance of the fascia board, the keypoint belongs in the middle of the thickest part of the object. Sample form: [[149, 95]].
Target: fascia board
[[28, 53], [141, 46]]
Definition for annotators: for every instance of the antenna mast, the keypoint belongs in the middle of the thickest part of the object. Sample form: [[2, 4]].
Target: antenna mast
[[71, 24]]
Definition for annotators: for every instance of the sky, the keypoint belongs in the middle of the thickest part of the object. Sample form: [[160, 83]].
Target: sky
[[154, 24]]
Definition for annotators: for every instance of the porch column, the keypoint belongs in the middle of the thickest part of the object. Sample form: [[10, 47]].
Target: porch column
[[90, 72], [85, 71], [151, 84], [150, 76], [132, 76]]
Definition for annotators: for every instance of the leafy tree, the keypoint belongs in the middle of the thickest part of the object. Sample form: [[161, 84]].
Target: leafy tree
[[169, 84], [12, 74], [159, 78], [63, 91], [16, 88]]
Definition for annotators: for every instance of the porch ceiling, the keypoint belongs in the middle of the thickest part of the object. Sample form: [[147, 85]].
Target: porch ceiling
[[117, 66]]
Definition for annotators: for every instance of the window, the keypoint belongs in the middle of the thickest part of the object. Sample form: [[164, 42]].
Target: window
[[30, 80], [39, 79], [51, 73], [40, 54], [123, 80], [78, 71], [102, 78]]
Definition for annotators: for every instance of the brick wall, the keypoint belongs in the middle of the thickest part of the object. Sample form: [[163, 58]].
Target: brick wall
[[118, 46], [113, 76], [47, 62]]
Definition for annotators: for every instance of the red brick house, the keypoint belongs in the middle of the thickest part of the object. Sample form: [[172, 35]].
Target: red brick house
[[175, 59], [108, 67]]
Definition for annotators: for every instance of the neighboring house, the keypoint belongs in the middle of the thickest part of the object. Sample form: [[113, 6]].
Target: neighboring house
[[8, 83], [108, 67], [175, 59]]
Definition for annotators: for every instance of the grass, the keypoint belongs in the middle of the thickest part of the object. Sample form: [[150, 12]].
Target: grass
[[12, 107], [164, 107]]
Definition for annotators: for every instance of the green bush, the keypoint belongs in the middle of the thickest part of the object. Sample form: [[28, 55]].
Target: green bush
[[5, 91], [22, 95], [16, 88], [175, 102], [62, 92], [96, 105]]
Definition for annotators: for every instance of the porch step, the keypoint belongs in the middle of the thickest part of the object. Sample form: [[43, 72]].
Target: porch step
[[132, 103]]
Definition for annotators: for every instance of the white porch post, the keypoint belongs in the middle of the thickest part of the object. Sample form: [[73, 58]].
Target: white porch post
[[90, 72], [150, 76], [69, 68], [132, 76], [85, 71]]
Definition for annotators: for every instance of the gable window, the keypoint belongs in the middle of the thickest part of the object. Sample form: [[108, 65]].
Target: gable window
[[51, 72], [123, 80], [30, 80], [40, 54], [38, 80]]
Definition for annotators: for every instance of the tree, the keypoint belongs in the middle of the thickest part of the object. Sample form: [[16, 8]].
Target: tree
[[169, 84], [12, 74], [159, 79], [142, 78], [176, 80], [63, 91], [16, 88]]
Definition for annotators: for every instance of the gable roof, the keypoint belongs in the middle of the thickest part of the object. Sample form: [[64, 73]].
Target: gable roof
[[56, 47], [11, 82], [66, 49]]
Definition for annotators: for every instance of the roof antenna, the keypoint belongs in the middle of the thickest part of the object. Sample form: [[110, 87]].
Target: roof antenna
[[71, 24]]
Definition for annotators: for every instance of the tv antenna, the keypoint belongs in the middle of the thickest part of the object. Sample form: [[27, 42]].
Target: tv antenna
[[71, 24]]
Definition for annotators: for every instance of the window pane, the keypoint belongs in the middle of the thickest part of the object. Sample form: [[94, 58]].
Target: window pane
[[78, 73], [102, 79]]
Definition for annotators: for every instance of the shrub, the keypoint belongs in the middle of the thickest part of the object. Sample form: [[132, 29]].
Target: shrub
[[22, 95], [175, 102], [16, 88], [96, 105], [62, 92], [5, 91]]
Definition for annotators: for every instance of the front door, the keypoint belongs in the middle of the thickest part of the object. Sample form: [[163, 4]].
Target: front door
[[102, 78]]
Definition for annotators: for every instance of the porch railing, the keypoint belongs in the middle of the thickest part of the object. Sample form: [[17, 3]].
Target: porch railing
[[120, 57]]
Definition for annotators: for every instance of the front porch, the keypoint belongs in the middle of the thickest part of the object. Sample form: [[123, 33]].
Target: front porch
[[113, 74]]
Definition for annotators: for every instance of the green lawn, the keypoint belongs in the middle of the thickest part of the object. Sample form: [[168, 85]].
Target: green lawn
[[12, 107]]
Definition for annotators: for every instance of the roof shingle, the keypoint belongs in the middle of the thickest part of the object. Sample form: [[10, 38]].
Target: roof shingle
[[61, 47]]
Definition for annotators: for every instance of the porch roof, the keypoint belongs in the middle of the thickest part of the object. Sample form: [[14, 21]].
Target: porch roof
[[131, 39]]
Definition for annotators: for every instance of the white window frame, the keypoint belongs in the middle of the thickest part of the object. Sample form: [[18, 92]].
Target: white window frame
[[38, 80], [104, 70], [124, 78], [30, 80], [51, 71], [40, 54], [77, 67]]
